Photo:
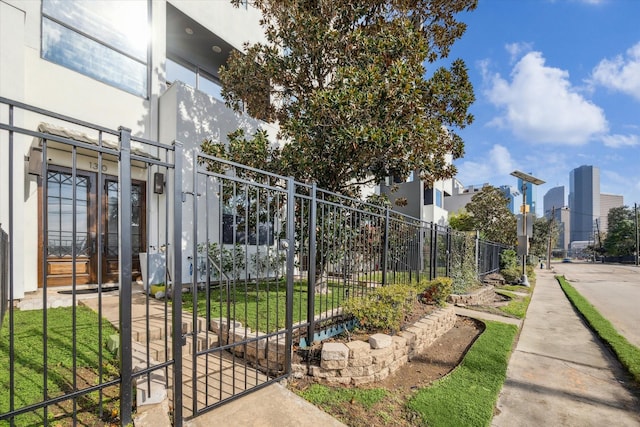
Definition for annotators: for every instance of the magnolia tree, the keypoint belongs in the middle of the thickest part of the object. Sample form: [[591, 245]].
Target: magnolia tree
[[488, 212], [345, 81]]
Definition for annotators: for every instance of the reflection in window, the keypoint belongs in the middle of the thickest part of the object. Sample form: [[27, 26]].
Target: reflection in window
[[438, 198], [105, 40], [194, 77], [60, 214], [137, 207]]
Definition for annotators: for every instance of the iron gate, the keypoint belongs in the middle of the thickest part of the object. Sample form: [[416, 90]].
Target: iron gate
[[82, 343], [242, 220]]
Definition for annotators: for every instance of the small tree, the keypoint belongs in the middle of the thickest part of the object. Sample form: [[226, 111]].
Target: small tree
[[545, 233], [228, 261], [268, 263], [621, 234], [489, 209], [461, 221], [464, 271]]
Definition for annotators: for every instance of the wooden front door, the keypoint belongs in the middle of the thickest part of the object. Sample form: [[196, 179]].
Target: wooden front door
[[73, 222]]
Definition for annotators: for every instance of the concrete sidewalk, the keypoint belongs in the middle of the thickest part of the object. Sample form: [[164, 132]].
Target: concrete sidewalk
[[560, 374], [273, 405]]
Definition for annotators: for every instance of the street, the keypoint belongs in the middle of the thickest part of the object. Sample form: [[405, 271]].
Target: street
[[613, 289]]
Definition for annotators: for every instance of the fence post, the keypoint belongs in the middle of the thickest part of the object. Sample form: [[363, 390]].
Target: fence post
[[420, 254], [311, 271], [11, 238], [385, 247], [176, 339], [291, 252], [125, 274], [477, 246], [433, 268], [449, 252]]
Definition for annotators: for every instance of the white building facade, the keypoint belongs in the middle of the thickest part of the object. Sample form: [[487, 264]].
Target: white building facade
[[150, 66]]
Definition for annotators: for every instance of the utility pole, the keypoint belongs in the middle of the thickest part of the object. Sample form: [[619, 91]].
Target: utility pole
[[635, 209], [599, 241], [552, 223]]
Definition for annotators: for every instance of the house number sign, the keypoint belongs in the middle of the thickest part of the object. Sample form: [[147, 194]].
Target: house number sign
[[94, 166]]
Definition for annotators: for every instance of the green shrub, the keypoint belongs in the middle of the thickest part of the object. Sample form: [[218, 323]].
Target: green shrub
[[511, 274], [383, 309], [435, 291], [531, 273], [464, 268], [508, 259]]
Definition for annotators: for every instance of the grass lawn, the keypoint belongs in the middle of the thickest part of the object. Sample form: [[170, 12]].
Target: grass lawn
[[627, 353], [515, 288], [468, 395], [518, 305], [29, 362], [328, 398], [262, 306]]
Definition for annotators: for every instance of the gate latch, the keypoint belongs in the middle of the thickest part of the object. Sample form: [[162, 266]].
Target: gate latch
[[184, 337]]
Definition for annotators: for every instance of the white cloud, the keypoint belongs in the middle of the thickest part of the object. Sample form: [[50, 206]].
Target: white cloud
[[620, 73], [540, 105], [498, 162], [517, 49], [616, 141]]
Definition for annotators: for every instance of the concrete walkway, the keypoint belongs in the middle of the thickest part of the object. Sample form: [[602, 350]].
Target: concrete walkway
[[273, 405], [481, 315], [560, 374]]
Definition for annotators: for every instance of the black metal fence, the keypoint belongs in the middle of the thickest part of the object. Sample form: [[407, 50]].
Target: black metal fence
[[81, 335], [4, 275], [269, 262]]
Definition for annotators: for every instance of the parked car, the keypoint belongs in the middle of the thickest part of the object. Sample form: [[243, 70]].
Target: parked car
[[566, 260]]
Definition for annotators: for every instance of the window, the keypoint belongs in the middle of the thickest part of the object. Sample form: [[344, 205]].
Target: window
[[428, 196], [61, 215], [194, 77], [105, 40], [432, 195]]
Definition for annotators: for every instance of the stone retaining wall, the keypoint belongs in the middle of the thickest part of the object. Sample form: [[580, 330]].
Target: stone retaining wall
[[360, 362], [482, 296], [265, 352]]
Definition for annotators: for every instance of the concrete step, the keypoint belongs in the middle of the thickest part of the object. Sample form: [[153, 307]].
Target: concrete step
[[203, 341], [156, 328]]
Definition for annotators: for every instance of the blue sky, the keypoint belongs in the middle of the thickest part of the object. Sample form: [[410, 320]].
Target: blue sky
[[557, 86]]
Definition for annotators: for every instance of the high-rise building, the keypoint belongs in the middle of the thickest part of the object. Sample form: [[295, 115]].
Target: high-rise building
[[607, 202], [584, 202], [553, 199], [555, 207], [563, 222], [512, 194]]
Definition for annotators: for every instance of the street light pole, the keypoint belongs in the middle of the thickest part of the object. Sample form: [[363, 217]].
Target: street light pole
[[523, 239], [523, 209], [635, 211]]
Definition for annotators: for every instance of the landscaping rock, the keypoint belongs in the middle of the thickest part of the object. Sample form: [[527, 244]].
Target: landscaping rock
[[380, 341]]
